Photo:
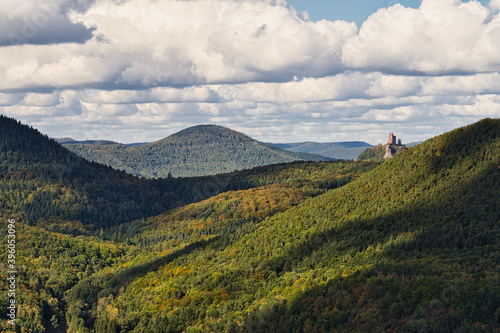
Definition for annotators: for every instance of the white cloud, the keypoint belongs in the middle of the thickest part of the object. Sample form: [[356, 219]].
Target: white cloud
[[442, 36], [495, 5], [386, 101], [462, 85], [187, 42], [41, 22], [34, 99], [154, 67], [10, 99], [140, 44], [150, 43]]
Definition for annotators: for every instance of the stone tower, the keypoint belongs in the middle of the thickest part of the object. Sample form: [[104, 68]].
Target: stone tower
[[392, 139]]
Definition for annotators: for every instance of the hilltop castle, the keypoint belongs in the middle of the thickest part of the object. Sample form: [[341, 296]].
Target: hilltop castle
[[392, 140], [390, 150]]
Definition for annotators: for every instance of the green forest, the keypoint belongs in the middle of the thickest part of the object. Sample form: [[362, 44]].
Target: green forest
[[196, 151], [411, 244]]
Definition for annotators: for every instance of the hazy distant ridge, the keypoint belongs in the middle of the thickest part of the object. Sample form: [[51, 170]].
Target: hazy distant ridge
[[348, 150]]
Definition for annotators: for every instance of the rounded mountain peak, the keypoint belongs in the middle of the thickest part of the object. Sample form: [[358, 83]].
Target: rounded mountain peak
[[209, 130]]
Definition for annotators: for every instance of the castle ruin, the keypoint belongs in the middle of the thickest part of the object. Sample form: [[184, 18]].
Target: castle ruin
[[388, 152], [393, 142]]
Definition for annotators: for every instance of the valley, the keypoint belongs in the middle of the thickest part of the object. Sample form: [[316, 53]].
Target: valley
[[409, 244]]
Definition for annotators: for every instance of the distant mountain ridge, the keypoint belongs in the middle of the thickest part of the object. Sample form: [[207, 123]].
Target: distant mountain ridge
[[96, 142], [348, 150], [64, 141], [196, 151]]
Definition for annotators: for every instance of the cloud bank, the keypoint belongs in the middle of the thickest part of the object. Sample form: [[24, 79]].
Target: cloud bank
[[441, 37], [39, 22], [138, 70]]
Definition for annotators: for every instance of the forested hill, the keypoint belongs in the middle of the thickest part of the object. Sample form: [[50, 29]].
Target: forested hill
[[408, 245], [45, 184], [411, 246], [195, 151]]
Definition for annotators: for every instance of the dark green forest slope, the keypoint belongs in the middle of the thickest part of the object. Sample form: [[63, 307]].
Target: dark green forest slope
[[43, 183], [408, 245], [196, 151]]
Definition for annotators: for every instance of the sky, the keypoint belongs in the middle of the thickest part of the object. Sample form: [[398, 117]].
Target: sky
[[302, 70], [349, 10]]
